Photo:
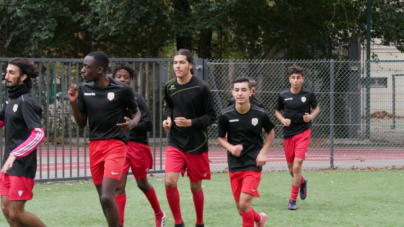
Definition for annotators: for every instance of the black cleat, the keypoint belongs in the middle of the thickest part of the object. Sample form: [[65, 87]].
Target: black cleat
[[303, 190]]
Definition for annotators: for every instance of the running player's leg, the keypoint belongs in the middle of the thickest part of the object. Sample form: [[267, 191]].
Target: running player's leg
[[301, 147], [141, 161], [120, 197], [247, 213], [106, 192], [198, 169], [175, 164], [17, 216]]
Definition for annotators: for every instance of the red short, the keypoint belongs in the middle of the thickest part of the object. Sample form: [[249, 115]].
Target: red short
[[139, 159], [106, 159], [297, 146], [16, 188], [196, 165], [245, 181]]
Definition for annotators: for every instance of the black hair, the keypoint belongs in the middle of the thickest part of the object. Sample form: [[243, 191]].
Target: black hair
[[188, 54], [124, 66], [242, 80], [101, 59], [295, 69], [26, 67]]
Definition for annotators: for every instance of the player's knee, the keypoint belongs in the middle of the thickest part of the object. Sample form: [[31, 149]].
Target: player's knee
[[4, 209], [120, 191], [169, 183], [14, 215], [144, 187], [244, 206], [297, 169], [106, 201], [195, 188]]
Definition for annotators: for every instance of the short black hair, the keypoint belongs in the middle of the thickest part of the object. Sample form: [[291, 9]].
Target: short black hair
[[125, 66], [295, 69], [26, 67], [101, 59], [242, 80]]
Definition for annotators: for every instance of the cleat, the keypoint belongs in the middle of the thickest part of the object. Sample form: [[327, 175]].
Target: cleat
[[180, 225], [261, 223], [202, 225], [160, 220], [292, 205], [303, 190]]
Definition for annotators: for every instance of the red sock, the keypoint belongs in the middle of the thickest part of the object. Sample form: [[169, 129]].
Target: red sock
[[302, 181], [198, 204], [173, 198], [257, 216], [121, 203], [154, 202], [248, 219], [294, 192]]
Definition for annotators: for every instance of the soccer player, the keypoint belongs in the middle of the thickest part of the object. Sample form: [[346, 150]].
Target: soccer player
[[253, 99], [139, 157], [240, 133], [296, 108], [104, 102], [189, 110], [21, 115]]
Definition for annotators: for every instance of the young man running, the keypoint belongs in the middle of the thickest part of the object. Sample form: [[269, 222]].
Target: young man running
[[104, 102], [189, 110], [139, 157], [240, 133], [21, 115], [296, 108], [253, 99]]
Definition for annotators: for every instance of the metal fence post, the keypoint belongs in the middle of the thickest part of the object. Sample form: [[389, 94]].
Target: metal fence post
[[331, 113]]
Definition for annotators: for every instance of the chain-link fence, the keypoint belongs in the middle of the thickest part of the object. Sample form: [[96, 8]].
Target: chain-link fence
[[361, 123], [362, 115], [64, 153]]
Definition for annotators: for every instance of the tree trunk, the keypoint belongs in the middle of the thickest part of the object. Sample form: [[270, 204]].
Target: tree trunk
[[205, 44], [182, 14]]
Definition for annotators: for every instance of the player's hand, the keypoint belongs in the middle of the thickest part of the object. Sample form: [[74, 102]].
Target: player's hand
[[128, 125], [261, 159], [286, 122], [237, 149], [307, 117], [73, 92], [9, 163], [167, 124], [183, 122]]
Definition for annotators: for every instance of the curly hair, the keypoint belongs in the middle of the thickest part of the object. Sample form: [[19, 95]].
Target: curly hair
[[125, 66], [26, 67]]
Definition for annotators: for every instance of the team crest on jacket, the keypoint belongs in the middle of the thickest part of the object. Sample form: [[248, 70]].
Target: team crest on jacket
[[111, 95], [254, 121], [303, 99], [15, 107]]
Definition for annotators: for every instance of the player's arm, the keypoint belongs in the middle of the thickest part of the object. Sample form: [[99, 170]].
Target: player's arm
[[73, 94], [209, 110], [169, 106], [233, 149], [309, 117], [222, 127], [130, 102], [315, 109], [284, 121], [278, 114], [2, 115], [262, 156], [145, 124], [269, 128]]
